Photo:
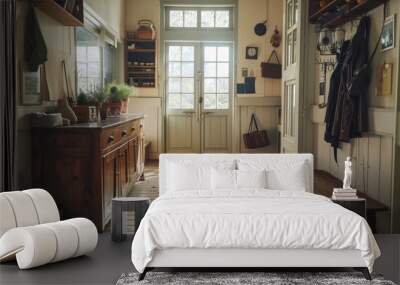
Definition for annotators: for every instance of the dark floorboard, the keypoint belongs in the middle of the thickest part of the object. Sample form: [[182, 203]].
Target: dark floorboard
[[103, 266], [110, 260]]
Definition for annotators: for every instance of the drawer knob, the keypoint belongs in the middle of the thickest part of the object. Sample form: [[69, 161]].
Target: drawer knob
[[110, 139], [124, 133]]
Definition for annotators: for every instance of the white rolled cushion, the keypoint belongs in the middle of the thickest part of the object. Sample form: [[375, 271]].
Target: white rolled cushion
[[45, 205], [7, 218], [23, 208], [223, 179], [87, 235], [33, 246], [251, 178], [67, 240], [37, 245]]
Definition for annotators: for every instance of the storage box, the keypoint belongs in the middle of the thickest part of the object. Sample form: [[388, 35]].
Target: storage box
[[85, 114]]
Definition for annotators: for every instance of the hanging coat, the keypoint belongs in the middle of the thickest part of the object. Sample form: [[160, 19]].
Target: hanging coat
[[35, 46], [347, 112], [333, 94]]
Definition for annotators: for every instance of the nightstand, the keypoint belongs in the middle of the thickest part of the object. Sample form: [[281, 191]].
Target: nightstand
[[358, 206]]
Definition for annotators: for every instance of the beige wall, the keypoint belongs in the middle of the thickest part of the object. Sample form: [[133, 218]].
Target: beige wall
[[373, 154], [60, 41]]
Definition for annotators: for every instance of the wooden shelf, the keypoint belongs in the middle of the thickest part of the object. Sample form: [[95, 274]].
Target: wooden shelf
[[141, 50], [317, 17], [327, 8], [59, 13]]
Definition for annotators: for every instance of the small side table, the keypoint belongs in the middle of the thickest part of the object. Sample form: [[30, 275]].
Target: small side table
[[358, 206], [123, 223]]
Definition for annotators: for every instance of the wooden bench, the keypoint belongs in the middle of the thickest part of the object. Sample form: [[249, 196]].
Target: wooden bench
[[324, 184]]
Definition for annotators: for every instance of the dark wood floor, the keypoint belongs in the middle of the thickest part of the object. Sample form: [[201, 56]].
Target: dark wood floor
[[106, 264]]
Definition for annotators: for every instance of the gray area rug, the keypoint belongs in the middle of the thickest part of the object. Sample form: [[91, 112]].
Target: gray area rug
[[236, 278]]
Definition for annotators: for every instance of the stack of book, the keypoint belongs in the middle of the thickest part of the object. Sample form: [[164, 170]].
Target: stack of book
[[344, 194]]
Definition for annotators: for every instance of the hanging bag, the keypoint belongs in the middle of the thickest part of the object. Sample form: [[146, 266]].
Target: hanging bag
[[254, 138], [270, 69]]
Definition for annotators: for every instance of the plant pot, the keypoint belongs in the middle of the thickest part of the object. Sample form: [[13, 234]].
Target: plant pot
[[114, 108], [85, 114]]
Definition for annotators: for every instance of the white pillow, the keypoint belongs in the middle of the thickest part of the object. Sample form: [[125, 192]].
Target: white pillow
[[183, 177], [251, 178], [281, 174], [223, 179]]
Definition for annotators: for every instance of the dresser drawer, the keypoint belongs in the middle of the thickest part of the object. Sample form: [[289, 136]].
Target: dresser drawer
[[110, 137]]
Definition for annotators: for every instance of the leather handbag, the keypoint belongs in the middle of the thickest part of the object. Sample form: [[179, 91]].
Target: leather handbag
[[255, 138], [270, 69]]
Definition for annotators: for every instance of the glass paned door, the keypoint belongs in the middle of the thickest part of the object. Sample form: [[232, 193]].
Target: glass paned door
[[198, 97]]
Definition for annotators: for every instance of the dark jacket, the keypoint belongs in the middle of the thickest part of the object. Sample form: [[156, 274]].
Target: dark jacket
[[347, 110], [35, 46]]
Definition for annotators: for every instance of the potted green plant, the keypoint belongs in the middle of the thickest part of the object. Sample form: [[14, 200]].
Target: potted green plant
[[85, 108], [118, 98], [101, 96]]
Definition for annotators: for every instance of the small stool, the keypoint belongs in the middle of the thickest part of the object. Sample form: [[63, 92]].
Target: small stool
[[127, 212]]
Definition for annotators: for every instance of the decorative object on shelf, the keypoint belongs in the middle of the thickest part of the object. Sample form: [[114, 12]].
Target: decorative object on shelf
[[248, 87], [276, 38], [251, 52], [260, 29], [346, 192], [271, 69], [385, 80], [255, 138], [146, 30], [388, 34], [325, 41]]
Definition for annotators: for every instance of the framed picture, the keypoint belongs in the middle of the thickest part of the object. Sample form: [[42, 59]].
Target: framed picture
[[388, 33], [251, 52], [30, 87]]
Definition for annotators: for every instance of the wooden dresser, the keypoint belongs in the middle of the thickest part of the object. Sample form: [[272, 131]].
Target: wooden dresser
[[85, 165]]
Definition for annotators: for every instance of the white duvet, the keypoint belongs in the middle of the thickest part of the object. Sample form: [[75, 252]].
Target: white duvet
[[250, 219]]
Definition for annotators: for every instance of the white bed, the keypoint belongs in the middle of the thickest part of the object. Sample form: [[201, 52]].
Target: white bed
[[207, 226]]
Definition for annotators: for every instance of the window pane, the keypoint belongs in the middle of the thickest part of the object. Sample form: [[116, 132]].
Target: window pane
[[81, 53], [174, 69], [210, 69], [210, 54], [223, 53], [174, 53], [222, 19], [93, 69], [174, 101], [174, 85], [222, 101], [187, 85], [207, 19], [210, 85], [223, 70], [176, 18], [93, 54], [187, 101], [210, 101], [93, 83], [223, 85], [187, 69], [187, 53], [82, 84], [190, 19], [82, 70], [108, 63]]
